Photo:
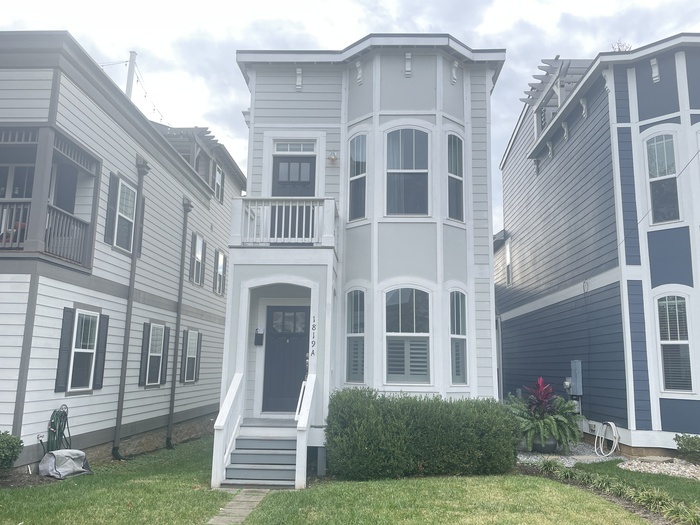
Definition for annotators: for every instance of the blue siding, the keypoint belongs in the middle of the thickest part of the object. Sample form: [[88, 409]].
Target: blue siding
[[622, 96], [587, 327], [694, 119], [670, 260], [657, 98], [680, 415], [692, 60], [629, 199], [640, 369], [561, 220], [673, 120]]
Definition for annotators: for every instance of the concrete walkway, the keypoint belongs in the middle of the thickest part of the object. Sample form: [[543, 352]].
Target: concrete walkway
[[237, 510]]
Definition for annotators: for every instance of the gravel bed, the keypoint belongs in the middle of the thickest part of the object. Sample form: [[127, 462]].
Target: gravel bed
[[585, 453]]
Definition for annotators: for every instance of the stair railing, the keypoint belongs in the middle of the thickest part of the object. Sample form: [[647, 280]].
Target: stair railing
[[226, 428], [306, 398]]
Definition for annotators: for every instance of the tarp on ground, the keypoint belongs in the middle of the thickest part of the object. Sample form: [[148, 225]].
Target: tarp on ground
[[61, 464]]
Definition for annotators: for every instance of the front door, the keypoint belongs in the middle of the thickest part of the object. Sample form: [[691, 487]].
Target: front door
[[286, 346], [293, 176]]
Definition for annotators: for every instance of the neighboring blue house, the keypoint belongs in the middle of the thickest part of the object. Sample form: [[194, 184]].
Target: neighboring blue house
[[598, 258]]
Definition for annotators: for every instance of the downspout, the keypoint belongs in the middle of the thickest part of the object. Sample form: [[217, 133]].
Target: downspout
[[187, 208], [142, 168]]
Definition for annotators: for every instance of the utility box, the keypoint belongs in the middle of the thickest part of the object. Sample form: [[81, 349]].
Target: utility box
[[576, 384]]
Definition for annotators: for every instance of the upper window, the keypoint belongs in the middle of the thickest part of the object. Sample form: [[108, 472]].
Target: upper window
[[198, 253], [219, 184], [675, 349], [356, 336], [82, 349], [121, 213], [662, 179], [509, 264], [358, 177], [455, 184], [191, 353], [407, 336], [219, 272], [407, 172], [154, 354], [458, 337]]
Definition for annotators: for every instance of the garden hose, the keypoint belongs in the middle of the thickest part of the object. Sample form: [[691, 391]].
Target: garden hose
[[57, 429], [599, 444]]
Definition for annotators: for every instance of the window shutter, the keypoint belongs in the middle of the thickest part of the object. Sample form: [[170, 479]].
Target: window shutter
[[164, 359], [418, 358], [204, 263], [144, 353], [139, 228], [183, 357], [459, 369], [193, 252], [199, 356], [395, 361], [216, 270], [111, 218], [356, 359], [101, 352], [65, 347]]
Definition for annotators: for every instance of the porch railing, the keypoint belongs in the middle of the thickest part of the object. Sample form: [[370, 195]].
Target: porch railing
[[226, 428], [66, 235], [14, 218], [284, 221]]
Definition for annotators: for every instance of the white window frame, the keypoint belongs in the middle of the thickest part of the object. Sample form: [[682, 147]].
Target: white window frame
[[456, 177], [219, 272], [408, 337], [355, 332], [271, 139], [191, 355], [509, 264], [91, 349], [652, 179], [198, 274], [155, 352], [219, 183], [661, 342], [458, 335], [358, 142], [131, 220], [408, 171]]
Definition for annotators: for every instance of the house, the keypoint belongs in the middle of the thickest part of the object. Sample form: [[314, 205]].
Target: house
[[361, 252], [113, 256], [598, 261]]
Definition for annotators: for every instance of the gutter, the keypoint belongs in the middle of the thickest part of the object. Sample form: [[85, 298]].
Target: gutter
[[186, 208]]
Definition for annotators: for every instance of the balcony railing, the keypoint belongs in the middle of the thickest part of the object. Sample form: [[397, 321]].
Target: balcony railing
[[66, 236], [14, 218], [284, 221]]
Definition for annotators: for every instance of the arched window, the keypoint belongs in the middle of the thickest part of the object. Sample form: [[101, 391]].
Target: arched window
[[673, 340], [455, 184], [458, 337], [358, 178], [663, 188], [407, 336], [355, 369], [407, 172]]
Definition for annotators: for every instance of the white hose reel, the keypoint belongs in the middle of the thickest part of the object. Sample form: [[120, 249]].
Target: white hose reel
[[600, 437]]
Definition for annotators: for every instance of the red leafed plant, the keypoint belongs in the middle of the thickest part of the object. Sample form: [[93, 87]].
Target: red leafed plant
[[540, 402]]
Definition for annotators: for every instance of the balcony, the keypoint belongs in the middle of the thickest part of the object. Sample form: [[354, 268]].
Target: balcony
[[284, 222]]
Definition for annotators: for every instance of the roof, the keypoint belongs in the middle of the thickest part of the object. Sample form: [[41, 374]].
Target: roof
[[354, 52], [576, 76]]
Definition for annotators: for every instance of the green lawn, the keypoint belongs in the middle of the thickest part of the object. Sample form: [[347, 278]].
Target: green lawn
[[169, 487], [513, 499]]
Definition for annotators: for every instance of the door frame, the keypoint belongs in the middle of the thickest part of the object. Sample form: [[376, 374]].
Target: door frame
[[269, 139], [260, 353]]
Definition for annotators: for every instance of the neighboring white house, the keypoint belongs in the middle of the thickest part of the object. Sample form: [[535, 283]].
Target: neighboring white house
[[113, 255], [361, 253]]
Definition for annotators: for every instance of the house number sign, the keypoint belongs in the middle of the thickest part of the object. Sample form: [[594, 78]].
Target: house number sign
[[314, 327]]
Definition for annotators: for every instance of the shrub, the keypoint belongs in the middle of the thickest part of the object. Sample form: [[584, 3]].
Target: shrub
[[688, 447], [10, 449], [373, 436]]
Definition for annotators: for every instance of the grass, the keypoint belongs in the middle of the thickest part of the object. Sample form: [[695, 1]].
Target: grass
[[502, 500], [166, 487], [680, 489]]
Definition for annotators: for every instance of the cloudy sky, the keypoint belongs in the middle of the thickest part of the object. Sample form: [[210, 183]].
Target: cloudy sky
[[186, 51]]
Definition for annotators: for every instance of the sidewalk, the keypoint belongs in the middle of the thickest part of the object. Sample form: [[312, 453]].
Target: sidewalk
[[237, 510]]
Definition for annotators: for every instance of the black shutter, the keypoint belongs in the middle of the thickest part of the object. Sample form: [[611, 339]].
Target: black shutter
[[65, 347], [164, 360], [101, 352], [216, 270], [204, 263], [139, 227], [193, 251], [183, 357], [112, 198], [199, 356], [144, 353]]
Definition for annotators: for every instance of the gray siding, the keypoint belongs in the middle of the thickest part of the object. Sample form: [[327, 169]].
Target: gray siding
[[680, 415], [655, 99], [561, 220], [670, 258], [642, 400], [622, 97], [629, 199], [692, 59], [25, 95], [588, 328], [416, 92]]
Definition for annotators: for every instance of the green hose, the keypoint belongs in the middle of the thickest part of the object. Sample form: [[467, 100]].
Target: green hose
[[58, 427]]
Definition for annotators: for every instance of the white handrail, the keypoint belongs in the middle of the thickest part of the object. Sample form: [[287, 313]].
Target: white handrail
[[306, 399], [225, 429]]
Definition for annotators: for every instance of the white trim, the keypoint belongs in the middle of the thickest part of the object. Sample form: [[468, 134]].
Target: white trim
[[75, 350]]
